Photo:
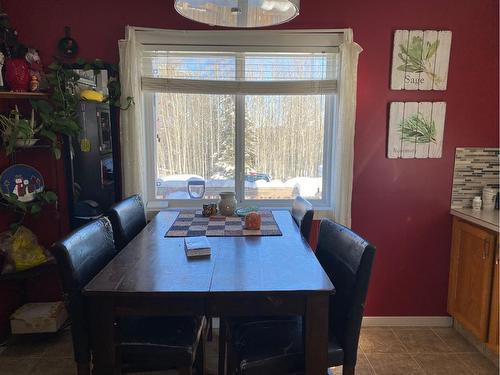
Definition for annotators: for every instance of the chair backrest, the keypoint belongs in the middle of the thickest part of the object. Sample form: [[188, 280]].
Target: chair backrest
[[128, 219], [80, 256], [303, 213], [347, 259]]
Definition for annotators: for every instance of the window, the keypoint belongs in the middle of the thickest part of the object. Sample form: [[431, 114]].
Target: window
[[249, 115]]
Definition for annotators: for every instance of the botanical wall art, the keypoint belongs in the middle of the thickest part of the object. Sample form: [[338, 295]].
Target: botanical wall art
[[416, 130], [420, 60]]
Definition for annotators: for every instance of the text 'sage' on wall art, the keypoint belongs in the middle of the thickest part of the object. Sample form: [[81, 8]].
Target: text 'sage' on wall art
[[416, 130], [420, 60]]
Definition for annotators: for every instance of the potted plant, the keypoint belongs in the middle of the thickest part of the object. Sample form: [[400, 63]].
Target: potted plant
[[18, 132]]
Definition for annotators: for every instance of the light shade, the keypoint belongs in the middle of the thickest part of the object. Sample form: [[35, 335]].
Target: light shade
[[238, 13]]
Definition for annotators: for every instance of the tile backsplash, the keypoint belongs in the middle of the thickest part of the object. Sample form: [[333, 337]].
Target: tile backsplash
[[475, 168]]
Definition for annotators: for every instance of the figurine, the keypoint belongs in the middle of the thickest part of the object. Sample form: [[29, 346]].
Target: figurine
[[34, 84], [35, 68], [2, 60]]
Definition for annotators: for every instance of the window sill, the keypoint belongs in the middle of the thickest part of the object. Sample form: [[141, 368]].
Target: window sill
[[153, 207]]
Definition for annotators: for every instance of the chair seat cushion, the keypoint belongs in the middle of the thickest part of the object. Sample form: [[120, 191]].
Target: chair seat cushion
[[275, 347], [161, 342], [232, 323]]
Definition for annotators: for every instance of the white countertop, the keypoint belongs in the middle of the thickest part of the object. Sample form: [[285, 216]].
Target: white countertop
[[485, 218]]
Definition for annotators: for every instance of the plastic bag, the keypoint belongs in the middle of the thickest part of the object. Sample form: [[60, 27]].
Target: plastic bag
[[22, 249]]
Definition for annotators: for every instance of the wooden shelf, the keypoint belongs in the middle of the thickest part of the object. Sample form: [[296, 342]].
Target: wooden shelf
[[49, 265], [23, 95]]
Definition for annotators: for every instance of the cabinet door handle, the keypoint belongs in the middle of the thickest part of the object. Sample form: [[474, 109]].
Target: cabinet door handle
[[486, 252]]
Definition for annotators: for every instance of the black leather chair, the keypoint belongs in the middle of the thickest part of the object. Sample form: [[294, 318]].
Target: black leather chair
[[128, 219], [276, 347], [303, 213], [145, 343]]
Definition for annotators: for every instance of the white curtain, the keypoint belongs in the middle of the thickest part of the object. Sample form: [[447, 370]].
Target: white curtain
[[132, 130], [343, 149]]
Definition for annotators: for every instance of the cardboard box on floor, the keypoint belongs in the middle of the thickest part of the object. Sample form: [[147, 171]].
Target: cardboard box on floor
[[38, 318]]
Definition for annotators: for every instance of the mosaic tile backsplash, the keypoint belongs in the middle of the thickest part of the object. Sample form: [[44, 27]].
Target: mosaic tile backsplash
[[475, 168]]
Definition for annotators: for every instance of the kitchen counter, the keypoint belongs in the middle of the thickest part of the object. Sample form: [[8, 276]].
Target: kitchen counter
[[485, 218]]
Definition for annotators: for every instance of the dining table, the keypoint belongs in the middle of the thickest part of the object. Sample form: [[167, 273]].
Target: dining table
[[244, 276]]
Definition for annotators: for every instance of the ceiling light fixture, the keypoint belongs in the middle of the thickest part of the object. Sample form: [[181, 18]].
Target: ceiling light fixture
[[238, 13]]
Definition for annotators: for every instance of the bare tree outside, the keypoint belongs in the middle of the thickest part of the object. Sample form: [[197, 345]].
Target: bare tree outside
[[283, 136]]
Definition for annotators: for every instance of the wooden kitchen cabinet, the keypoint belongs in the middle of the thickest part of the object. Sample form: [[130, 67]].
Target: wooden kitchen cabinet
[[493, 328], [471, 273]]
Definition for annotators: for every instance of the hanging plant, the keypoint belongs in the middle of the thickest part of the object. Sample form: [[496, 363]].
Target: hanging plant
[[58, 116]]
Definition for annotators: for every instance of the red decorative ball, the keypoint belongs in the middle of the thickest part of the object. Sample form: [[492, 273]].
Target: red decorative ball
[[252, 221]]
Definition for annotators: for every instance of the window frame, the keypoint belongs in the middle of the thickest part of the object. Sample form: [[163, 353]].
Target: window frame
[[300, 40]]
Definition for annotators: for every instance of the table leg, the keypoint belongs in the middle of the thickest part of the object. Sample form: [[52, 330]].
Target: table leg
[[102, 336], [222, 347], [316, 335]]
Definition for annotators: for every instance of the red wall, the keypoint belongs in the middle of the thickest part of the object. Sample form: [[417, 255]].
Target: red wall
[[400, 205]]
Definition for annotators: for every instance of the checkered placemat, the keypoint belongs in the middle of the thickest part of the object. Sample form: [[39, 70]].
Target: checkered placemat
[[193, 223]]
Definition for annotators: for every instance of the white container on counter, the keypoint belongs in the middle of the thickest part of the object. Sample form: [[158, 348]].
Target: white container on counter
[[489, 195], [476, 203]]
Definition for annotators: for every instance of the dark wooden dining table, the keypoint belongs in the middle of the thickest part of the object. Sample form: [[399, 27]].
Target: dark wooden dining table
[[244, 276]]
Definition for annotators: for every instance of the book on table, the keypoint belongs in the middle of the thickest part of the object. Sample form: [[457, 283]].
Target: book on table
[[197, 246]]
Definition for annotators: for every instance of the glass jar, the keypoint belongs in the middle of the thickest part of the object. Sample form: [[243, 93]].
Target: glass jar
[[227, 203]]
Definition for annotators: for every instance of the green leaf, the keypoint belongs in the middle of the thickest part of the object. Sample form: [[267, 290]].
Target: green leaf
[[42, 106], [50, 197], [417, 129], [36, 209], [57, 152], [80, 61], [431, 49], [54, 66], [49, 134]]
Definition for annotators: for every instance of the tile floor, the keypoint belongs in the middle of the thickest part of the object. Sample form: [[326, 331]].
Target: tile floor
[[383, 351]]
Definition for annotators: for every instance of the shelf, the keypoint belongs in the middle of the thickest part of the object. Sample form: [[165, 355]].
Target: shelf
[[23, 95], [41, 146], [49, 265]]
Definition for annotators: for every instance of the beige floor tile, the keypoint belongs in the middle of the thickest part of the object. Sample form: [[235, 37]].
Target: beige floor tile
[[16, 366], [454, 340], [441, 364], [54, 366], [421, 340], [59, 346], [380, 340], [24, 348], [394, 364], [363, 367], [478, 364]]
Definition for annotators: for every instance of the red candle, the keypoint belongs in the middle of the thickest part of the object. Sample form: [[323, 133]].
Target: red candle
[[252, 221]]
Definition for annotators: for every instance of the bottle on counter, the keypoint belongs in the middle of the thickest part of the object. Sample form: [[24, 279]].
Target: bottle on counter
[[476, 203], [489, 197]]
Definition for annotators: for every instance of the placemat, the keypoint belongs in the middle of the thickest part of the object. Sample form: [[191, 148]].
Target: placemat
[[193, 223]]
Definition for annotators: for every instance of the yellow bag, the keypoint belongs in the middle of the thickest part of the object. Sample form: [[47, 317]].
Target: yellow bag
[[25, 251]]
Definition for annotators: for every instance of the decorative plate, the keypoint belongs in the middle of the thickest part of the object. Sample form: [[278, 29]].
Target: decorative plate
[[246, 210], [21, 180]]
